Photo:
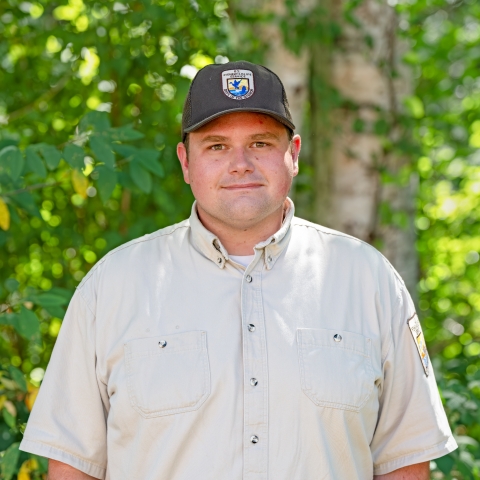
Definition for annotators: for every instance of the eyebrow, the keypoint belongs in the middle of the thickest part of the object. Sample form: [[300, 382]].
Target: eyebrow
[[256, 136], [264, 136], [214, 138]]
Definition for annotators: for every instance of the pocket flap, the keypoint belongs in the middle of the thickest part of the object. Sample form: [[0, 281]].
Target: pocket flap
[[334, 339], [178, 342]]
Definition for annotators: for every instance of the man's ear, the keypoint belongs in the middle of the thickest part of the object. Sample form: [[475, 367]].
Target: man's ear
[[183, 159], [295, 146]]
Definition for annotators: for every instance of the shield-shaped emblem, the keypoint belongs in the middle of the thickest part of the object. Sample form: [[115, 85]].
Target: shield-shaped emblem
[[238, 84]]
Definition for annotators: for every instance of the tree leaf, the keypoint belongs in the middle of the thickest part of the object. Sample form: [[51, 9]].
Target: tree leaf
[[125, 133], [10, 461], [125, 150], [149, 160], [9, 419], [25, 200], [96, 121], [34, 162], [28, 324], [107, 180], [55, 311], [8, 384], [445, 464], [11, 284], [65, 293], [48, 299], [102, 151], [140, 177], [51, 155], [74, 156], [19, 377], [80, 183], [9, 319], [11, 159], [6, 142], [4, 215]]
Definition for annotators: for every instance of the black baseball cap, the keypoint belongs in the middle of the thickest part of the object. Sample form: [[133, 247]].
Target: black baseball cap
[[234, 87]]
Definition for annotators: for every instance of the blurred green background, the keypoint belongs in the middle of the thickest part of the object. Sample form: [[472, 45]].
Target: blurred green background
[[91, 96]]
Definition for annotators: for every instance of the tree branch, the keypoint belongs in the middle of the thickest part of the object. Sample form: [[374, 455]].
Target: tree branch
[[35, 186]]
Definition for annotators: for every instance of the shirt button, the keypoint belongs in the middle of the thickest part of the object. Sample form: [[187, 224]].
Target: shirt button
[[219, 260], [269, 259], [254, 439], [249, 278], [251, 327], [337, 337], [162, 343], [253, 382]]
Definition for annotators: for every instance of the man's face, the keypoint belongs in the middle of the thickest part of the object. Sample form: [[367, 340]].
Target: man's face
[[240, 167]]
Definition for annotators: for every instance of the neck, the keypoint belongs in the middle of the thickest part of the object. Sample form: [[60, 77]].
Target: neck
[[238, 240]]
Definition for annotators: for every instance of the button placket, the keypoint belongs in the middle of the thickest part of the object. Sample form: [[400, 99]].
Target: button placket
[[255, 390]]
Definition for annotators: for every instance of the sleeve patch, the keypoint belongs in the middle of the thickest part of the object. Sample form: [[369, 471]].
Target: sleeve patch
[[416, 329]]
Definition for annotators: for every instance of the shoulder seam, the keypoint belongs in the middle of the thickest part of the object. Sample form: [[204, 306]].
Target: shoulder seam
[[350, 237], [318, 228], [152, 236], [135, 241]]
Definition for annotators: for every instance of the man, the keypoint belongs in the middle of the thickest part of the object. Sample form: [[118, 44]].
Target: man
[[243, 343]]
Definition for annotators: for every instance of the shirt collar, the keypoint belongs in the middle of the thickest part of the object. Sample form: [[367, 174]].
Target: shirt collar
[[209, 244]]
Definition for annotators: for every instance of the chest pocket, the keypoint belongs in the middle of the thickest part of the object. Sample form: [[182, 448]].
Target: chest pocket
[[168, 374], [335, 367]]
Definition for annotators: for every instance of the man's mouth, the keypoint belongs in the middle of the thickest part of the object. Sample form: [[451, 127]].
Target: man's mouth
[[243, 186]]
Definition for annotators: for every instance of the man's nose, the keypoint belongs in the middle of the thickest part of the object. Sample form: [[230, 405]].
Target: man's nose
[[240, 162]]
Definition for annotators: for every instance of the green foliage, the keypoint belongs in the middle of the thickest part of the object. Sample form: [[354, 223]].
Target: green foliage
[[444, 56], [91, 95]]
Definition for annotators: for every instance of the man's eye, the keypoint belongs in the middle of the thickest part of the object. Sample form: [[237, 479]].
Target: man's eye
[[260, 144], [218, 146]]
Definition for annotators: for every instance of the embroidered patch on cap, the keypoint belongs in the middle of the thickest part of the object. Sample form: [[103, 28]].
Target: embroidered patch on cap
[[238, 84], [416, 329]]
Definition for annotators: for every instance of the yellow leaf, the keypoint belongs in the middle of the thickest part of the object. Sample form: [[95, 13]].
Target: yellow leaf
[[10, 408], [4, 215], [31, 397], [27, 467], [80, 183], [24, 472]]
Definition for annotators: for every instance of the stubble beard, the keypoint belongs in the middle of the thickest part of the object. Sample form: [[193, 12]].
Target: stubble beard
[[243, 215]]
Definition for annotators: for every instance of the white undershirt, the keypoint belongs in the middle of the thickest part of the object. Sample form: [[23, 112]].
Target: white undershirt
[[242, 259]]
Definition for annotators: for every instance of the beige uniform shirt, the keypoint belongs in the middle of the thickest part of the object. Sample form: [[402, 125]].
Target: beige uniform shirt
[[175, 363]]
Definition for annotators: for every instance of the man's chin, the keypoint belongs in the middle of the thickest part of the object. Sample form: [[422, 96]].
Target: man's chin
[[245, 214]]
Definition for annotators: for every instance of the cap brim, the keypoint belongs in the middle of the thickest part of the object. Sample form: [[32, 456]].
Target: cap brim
[[275, 115]]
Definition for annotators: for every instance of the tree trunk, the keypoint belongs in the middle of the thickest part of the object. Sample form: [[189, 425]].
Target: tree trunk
[[349, 88], [348, 147]]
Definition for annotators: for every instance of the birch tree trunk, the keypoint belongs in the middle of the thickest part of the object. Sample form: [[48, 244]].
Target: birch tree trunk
[[367, 71], [350, 89], [291, 68]]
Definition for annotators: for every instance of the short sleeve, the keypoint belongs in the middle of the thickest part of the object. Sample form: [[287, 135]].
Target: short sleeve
[[68, 420], [412, 426]]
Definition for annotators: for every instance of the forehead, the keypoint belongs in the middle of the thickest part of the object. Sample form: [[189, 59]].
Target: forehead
[[239, 124]]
